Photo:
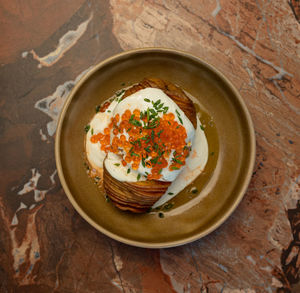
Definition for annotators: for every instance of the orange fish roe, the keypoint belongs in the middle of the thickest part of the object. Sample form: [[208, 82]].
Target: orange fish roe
[[150, 140]]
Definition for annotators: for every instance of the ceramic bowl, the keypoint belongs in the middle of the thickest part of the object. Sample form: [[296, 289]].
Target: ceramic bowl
[[229, 132]]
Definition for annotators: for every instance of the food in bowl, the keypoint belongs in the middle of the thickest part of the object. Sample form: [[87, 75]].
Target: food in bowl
[[146, 144]]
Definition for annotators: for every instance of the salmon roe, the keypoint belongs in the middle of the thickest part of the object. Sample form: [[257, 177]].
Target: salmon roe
[[146, 138]]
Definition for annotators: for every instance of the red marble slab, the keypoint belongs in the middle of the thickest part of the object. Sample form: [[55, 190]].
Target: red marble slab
[[45, 46]]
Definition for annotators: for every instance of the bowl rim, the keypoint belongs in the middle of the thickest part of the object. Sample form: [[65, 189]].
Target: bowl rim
[[245, 183]]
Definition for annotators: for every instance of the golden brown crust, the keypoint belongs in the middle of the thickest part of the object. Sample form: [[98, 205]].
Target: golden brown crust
[[138, 197]]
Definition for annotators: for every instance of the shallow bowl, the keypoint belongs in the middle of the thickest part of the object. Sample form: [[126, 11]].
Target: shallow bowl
[[231, 142]]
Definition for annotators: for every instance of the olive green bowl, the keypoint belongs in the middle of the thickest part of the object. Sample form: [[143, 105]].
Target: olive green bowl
[[229, 132]]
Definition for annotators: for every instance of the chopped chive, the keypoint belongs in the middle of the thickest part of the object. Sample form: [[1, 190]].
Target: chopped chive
[[168, 206], [177, 112], [177, 161], [159, 133], [87, 128], [134, 154], [154, 160], [177, 126], [135, 122], [143, 162], [155, 146], [169, 122], [160, 106], [117, 164], [97, 108], [147, 149], [139, 142], [170, 193], [138, 177], [152, 135], [174, 168], [201, 126], [128, 170], [147, 100], [165, 110], [160, 170], [92, 131], [128, 129], [180, 120], [148, 114], [153, 112], [120, 93], [131, 117], [156, 103]]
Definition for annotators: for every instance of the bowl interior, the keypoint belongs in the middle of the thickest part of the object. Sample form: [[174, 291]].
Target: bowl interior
[[221, 191]]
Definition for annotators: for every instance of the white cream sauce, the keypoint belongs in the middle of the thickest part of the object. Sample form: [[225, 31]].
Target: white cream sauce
[[180, 178]]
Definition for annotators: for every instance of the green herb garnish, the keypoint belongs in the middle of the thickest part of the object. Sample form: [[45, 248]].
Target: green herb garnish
[[138, 177], [174, 168], [117, 164], [154, 160], [128, 170], [168, 206], [147, 149], [120, 93], [147, 100], [152, 135], [177, 161], [165, 110], [156, 103], [143, 162], [136, 123], [159, 133], [87, 128]]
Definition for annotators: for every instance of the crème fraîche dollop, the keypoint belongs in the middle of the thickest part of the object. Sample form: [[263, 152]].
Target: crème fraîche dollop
[[146, 136]]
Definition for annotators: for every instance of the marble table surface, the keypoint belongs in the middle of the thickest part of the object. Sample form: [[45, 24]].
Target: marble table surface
[[46, 46]]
